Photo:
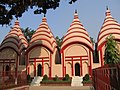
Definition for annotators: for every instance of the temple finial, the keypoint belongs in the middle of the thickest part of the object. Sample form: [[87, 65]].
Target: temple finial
[[75, 10], [44, 15], [107, 8]]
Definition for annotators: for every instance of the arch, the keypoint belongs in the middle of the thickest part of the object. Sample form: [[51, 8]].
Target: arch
[[77, 69], [63, 47], [37, 52], [39, 70], [80, 50]]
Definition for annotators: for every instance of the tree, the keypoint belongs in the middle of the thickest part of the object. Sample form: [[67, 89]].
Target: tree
[[59, 41], [10, 8], [92, 40], [112, 54], [28, 32]]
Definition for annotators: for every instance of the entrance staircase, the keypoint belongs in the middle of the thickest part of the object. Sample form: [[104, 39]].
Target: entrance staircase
[[36, 81], [77, 81]]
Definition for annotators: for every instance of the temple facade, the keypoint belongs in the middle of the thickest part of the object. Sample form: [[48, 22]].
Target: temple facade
[[41, 55], [110, 26]]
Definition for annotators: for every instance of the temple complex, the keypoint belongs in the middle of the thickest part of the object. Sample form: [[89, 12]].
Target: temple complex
[[41, 55]]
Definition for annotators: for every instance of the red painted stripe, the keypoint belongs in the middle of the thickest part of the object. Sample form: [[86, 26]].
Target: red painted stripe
[[74, 23], [39, 60], [107, 30], [77, 37], [6, 62], [50, 73], [118, 33], [72, 68], [11, 37], [40, 34], [75, 28], [39, 31], [63, 63], [81, 67], [74, 56], [40, 39], [46, 27], [13, 34], [110, 24], [74, 42], [76, 59], [101, 57], [37, 45], [6, 59], [90, 72], [109, 18], [10, 42], [78, 32], [101, 45], [34, 67]]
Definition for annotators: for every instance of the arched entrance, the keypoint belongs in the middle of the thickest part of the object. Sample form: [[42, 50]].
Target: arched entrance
[[7, 70], [39, 72], [77, 69]]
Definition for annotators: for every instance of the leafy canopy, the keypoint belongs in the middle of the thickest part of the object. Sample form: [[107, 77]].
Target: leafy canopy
[[112, 54], [28, 32], [10, 8]]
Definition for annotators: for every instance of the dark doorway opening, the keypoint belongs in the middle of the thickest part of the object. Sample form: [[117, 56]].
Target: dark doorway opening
[[39, 72], [77, 69], [7, 70]]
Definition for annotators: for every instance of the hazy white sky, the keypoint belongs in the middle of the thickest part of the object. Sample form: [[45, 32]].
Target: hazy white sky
[[91, 14]]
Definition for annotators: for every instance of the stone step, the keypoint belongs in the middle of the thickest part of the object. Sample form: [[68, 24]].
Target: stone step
[[36, 81], [77, 81]]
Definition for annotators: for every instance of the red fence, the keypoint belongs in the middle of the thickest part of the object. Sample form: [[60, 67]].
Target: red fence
[[107, 77]]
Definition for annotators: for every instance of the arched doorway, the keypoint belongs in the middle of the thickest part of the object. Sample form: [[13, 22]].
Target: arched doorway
[[77, 69], [39, 72], [7, 70]]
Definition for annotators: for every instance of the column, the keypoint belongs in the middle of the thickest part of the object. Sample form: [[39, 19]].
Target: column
[[72, 67], [34, 67], [81, 73]]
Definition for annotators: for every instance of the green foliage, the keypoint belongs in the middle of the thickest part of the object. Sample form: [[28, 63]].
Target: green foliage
[[112, 54], [86, 77], [28, 32], [11, 8], [92, 40], [66, 78], [28, 78], [59, 41], [45, 78], [56, 78]]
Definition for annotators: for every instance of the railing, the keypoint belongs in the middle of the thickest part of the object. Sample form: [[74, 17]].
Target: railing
[[107, 77]]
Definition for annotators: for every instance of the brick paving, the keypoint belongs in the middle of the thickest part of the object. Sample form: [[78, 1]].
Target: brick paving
[[60, 88], [52, 88]]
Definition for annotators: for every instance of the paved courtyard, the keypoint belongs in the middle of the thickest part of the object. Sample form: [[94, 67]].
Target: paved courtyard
[[60, 88]]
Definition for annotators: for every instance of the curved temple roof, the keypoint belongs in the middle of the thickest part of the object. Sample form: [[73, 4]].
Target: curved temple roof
[[110, 26], [15, 39], [76, 33], [43, 36]]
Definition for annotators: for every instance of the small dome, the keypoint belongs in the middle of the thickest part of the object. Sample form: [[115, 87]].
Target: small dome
[[15, 39], [43, 36], [77, 33], [110, 26]]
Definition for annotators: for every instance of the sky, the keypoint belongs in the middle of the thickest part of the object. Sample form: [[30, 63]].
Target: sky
[[91, 14]]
